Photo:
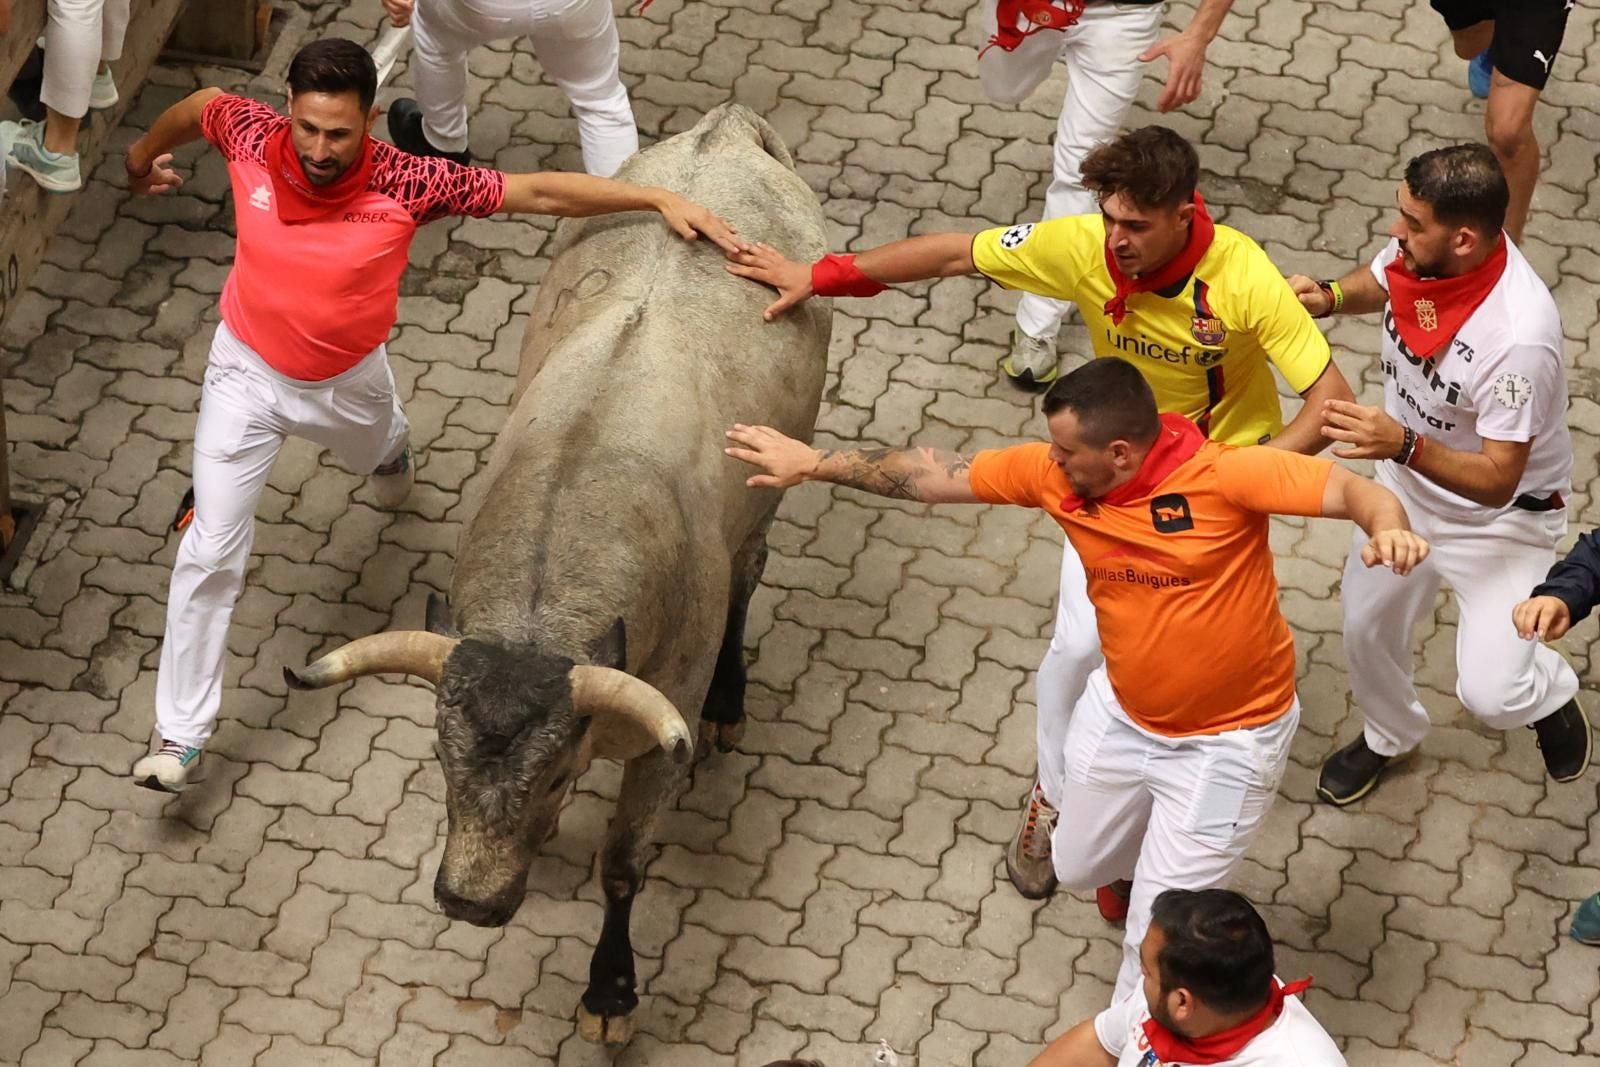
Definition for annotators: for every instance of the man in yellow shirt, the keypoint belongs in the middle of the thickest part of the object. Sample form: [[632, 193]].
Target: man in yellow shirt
[[1198, 308]]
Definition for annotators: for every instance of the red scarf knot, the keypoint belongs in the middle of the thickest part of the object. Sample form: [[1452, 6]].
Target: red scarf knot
[[1176, 443], [1175, 270], [298, 200], [1429, 312], [1172, 1048], [1039, 14]]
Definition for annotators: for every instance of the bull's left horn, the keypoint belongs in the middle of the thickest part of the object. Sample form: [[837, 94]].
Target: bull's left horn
[[402, 652], [609, 695]]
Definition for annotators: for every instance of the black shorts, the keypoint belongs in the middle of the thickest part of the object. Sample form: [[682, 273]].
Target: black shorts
[[1527, 33]]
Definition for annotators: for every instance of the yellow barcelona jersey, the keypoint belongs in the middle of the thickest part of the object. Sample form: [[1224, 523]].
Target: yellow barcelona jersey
[[1204, 346]]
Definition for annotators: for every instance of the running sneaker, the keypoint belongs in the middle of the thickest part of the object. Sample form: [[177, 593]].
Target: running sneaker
[[1480, 71], [392, 481], [1565, 741], [1351, 773], [1586, 924], [1028, 861], [103, 94], [56, 172], [169, 768], [1032, 362], [405, 130]]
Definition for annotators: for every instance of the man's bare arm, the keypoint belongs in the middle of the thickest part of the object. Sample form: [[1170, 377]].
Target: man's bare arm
[[1304, 432], [176, 127], [930, 475], [583, 195], [1078, 1047], [933, 255]]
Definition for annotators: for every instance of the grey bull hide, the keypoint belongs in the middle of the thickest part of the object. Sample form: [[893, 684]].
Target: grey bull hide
[[600, 590]]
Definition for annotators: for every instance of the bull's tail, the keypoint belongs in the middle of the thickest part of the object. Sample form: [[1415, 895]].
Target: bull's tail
[[737, 120]]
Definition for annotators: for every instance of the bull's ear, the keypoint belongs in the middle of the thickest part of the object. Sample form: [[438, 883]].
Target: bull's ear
[[610, 649], [436, 616]]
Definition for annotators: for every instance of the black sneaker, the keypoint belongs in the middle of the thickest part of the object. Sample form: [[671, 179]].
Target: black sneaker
[[1565, 741], [405, 130], [1350, 773]]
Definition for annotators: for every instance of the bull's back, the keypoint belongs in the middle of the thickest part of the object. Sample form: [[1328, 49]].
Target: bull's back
[[639, 352]]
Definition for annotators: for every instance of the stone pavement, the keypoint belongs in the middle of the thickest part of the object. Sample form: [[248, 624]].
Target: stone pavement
[[839, 880]]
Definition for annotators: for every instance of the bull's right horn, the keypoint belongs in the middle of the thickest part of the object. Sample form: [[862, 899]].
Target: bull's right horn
[[630, 715], [400, 652]]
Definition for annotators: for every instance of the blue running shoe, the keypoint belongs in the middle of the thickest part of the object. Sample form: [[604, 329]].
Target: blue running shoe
[[1586, 924], [1478, 74]]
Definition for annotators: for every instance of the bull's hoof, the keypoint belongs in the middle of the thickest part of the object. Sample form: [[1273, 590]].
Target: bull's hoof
[[725, 736], [612, 1031]]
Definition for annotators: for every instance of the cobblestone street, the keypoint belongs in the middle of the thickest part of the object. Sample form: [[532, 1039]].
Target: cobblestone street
[[839, 880]]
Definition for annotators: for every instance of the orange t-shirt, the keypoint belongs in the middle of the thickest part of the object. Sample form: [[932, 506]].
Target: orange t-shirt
[[1181, 579]]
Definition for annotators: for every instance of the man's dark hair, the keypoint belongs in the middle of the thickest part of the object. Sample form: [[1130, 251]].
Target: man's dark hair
[[1217, 947], [1464, 186], [1152, 166], [335, 65], [1111, 401]]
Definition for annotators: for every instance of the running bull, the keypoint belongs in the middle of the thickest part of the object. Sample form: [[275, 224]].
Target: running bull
[[601, 587]]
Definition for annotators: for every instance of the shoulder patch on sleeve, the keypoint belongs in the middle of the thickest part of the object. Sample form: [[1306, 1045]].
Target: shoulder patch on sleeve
[[1512, 390], [1014, 236]]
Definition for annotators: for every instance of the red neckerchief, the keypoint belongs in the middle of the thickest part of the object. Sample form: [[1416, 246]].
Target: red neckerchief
[[1176, 442], [300, 201], [1171, 1048], [1040, 15], [1201, 231], [1429, 311]]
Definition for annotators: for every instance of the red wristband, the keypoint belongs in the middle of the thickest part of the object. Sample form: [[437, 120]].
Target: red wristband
[[1416, 451], [839, 276]]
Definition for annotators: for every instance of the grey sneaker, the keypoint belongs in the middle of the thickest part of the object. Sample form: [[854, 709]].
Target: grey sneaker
[[392, 481], [1028, 861], [25, 150], [103, 94], [169, 768], [1032, 362]]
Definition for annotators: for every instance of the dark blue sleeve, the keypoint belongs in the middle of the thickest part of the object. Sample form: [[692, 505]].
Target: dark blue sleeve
[[1575, 580]]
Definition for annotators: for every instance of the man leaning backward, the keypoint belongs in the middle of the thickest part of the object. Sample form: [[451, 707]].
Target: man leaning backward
[[325, 216]]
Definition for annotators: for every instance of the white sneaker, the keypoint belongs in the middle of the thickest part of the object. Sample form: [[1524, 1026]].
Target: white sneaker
[[104, 93], [169, 768], [1032, 362], [392, 481]]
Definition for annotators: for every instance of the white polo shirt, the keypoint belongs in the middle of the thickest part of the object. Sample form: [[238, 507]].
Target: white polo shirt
[[1501, 378], [1293, 1038]]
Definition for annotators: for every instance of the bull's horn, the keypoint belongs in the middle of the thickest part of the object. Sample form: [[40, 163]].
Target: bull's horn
[[401, 652], [631, 716]]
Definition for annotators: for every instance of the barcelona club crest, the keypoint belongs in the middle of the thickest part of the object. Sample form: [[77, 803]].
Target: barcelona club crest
[[1207, 330]]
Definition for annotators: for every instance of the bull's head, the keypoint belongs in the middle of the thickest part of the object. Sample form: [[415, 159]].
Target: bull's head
[[515, 727]]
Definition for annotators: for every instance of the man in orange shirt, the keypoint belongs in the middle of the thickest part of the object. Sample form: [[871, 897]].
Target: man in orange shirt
[[1175, 750]]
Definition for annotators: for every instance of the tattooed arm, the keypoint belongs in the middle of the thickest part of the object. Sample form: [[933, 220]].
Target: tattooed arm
[[930, 475]]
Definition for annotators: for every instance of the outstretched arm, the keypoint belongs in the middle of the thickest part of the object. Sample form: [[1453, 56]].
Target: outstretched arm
[[583, 195], [934, 255], [930, 475], [149, 157], [1380, 514], [1304, 432]]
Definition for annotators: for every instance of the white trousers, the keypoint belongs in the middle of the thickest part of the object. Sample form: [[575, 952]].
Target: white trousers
[[1073, 655], [1500, 678], [1169, 813], [574, 40], [246, 411], [1102, 52], [78, 35]]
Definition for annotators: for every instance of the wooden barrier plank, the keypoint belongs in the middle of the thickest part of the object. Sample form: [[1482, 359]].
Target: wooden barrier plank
[[29, 215]]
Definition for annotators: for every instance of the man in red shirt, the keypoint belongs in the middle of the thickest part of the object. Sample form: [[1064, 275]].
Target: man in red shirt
[[325, 216], [1176, 747]]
